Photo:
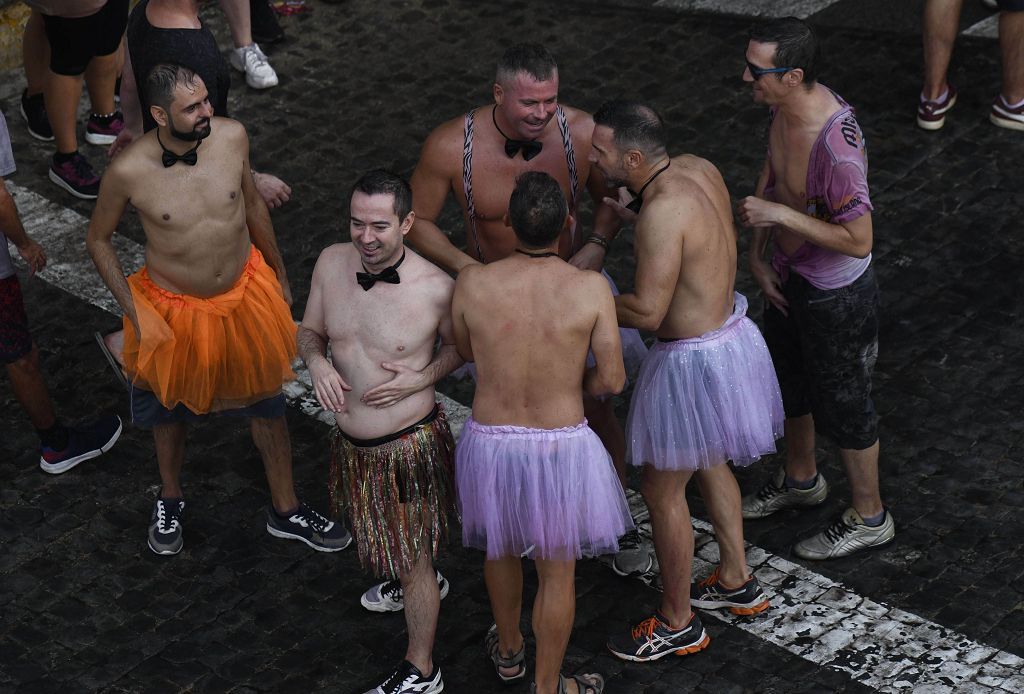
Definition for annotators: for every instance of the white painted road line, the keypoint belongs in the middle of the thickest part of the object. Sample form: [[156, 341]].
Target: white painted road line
[[811, 616], [751, 8], [61, 232]]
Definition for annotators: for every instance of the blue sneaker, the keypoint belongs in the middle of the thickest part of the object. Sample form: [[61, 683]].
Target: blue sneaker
[[87, 442]]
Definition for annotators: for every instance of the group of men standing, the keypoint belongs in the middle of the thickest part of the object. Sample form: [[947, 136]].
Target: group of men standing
[[208, 331]]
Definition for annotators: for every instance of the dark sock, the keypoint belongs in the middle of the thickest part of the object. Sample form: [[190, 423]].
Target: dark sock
[[55, 438], [805, 484], [61, 157], [874, 521]]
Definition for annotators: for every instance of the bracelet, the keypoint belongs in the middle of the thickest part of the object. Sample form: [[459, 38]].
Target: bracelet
[[600, 241]]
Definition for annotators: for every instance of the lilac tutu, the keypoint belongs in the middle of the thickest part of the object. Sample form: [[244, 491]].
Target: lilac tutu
[[703, 401], [547, 493]]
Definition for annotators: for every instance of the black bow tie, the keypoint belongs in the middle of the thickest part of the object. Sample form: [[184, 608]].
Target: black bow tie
[[531, 148], [190, 157], [389, 274]]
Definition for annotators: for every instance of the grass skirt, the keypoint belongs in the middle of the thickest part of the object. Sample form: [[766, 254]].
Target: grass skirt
[[398, 494]]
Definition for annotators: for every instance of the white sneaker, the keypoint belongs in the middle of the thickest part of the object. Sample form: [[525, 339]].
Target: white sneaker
[[847, 535], [388, 597], [253, 62]]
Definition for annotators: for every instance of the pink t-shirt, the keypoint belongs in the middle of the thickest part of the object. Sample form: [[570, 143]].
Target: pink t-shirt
[[837, 191]]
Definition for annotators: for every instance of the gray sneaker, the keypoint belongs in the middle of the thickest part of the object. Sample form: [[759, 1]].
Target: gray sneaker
[[634, 557], [846, 536], [165, 532], [775, 496]]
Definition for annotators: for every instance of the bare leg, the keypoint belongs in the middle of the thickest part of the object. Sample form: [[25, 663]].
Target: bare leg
[[665, 494], [939, 28], [1011, 45], [35, 54], [170, 457], [801, 464], [721, 494], [100, 79], [553, 613], [62, 94], [422, 604], [504, 579], [30, 390], [275, 447], [601, 416], [239, 18], [862, 471]]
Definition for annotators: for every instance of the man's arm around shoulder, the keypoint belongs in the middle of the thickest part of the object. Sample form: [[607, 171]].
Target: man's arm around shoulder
[[440, 165]]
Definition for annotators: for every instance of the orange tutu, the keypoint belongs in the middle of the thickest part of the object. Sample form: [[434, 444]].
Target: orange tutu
[[213, 354]]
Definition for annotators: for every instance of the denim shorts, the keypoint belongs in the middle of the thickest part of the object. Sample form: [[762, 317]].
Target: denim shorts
[[147, 411], [824, 353]]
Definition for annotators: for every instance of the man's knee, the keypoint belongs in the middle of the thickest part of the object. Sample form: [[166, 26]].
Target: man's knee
[[663, 488]]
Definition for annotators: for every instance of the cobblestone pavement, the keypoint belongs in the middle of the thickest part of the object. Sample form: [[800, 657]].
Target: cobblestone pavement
[[85, 606]]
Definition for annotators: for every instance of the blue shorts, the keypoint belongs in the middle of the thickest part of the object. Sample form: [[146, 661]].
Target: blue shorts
[[147, 411], [1011, 5]]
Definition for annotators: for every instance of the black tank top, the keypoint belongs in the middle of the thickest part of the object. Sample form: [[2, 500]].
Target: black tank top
[[195, 49]]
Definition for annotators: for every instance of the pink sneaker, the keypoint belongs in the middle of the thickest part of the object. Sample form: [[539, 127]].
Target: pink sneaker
[[1005, 116], [103, 131], [931, 115]]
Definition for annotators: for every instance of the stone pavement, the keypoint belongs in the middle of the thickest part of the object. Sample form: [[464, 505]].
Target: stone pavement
[[85, 606]]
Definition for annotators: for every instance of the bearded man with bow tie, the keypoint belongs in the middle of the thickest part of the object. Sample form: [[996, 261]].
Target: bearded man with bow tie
[[382, 308], [478, 157], [207, 326]]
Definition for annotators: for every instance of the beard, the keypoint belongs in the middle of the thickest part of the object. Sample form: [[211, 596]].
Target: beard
[[199, 132]]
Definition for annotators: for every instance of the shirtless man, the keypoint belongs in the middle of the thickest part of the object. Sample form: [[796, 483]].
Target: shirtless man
[[533, 479], [477, 157], [821, 313], [381, 308], [706, 393], [207, 326]]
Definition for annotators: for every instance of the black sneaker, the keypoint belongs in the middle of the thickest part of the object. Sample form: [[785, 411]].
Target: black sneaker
[[407, 678], [165, 536], [652, 639], [76, 176], [33, 110], [746, 600], [84, 443], [388, 596], [308, 526]]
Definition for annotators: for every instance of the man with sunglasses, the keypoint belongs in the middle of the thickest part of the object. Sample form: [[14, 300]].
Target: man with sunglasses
[[821, 313]]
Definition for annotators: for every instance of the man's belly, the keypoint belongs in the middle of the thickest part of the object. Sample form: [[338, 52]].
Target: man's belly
[[361, 421]]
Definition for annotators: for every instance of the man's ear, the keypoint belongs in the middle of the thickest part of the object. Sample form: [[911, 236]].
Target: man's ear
[[159, 115]]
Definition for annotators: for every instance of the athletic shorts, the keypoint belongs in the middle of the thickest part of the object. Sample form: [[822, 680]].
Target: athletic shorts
[[15, 341], [824, 353], [74, 42], [147, 411], [1011, 5]]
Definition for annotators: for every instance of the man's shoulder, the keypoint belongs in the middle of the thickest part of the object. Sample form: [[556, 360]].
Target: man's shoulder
[[580, 122], [336, 252], [228, 127]]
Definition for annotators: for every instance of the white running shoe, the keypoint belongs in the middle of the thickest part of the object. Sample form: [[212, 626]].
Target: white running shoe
[[253, 62]]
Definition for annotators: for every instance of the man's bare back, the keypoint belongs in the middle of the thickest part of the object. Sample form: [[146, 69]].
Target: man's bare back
[[396, 324], [685, 239], [532, 321], [194, 217]]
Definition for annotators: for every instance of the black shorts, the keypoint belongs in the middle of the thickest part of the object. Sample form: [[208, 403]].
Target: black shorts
[[824, 353], [74, 42], [1011, 5], [15, 340], [147, 411]]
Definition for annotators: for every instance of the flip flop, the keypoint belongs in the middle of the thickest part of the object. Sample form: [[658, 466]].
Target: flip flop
[[112, 360]]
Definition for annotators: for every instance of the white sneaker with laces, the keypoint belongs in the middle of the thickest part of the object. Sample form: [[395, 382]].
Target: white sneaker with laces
[[253, 62]]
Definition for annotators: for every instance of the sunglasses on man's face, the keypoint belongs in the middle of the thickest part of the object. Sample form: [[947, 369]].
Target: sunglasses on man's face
[[759, 72]]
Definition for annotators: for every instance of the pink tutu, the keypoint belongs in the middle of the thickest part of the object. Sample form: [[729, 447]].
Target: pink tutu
[[547, 493], [705, 400]]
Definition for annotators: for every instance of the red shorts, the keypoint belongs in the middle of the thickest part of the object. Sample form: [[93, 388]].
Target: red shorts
[[15, 340]]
